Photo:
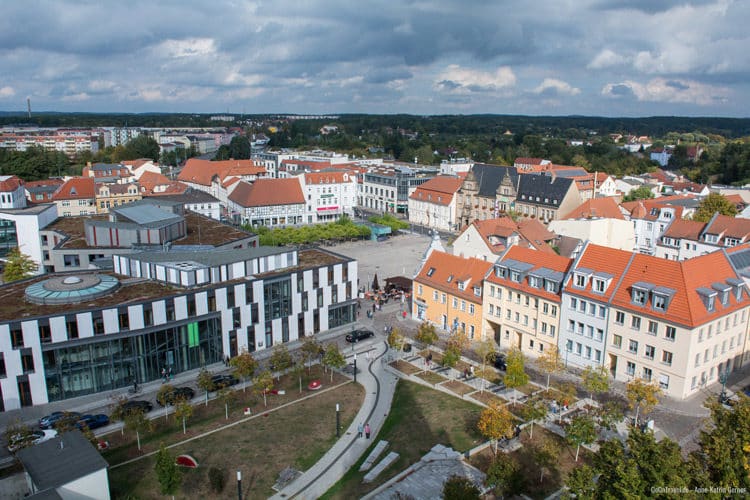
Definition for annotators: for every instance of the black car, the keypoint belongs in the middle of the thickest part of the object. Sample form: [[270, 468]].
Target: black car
[[222, 381], [498, 361], [176, 394], [136, 405], [358, 335], [58, 417], [92, 422]]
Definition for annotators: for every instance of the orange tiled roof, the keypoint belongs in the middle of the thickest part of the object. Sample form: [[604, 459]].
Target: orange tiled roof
[[328, 177], [727, 226], [438, 190], [10, 183], [683, 228], [450, 270], [149, 180], [539, 260], [605, 208], [528, 161], [536, 234], [600, 259], [203, 171], [77, 188], [267, 192]]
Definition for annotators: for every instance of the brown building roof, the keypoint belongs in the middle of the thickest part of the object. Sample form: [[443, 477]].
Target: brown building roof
[[77, 188], [596, 208], [267, 192]]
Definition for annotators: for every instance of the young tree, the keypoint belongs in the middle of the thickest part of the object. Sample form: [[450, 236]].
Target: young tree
[[18, 266], [262, 383], [580, 483], [162, 395], [711, 204], [486, 350], [451, 356], [504, 476], [533, 411], [333, 358], [595, 380], [495, 423], [460, 488], [515, 374], [545, 455], [183, 410], [459, 341], [206, 382], [244, 366], [281, 360], [426, 334], [135, 420], [310, 351], [642, 396], [568, 394], [167, 472], [298, 370], [581, 430], [549, 362], [396, 340], [226, 396]]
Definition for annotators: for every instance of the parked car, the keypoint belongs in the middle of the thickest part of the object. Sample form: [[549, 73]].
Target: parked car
[[92, 421], [176, 394], [18, 441], [222, 381], [54, 418], [137, 405], [357, 335], [499, 361]]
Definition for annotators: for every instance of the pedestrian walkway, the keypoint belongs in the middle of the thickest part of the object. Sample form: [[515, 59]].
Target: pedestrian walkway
[[379, 385]]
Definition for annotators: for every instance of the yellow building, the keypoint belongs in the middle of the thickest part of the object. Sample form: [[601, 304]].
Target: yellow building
[[448, 293], [115, 195]]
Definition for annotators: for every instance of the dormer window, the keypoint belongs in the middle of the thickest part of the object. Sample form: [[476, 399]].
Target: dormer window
[[430, 271], [478, 291], [723, 290], [708, 296], [580, 281], [738, 285], [501, 272], [639, 296], [550, 286], [450, 278], [515, 276], [599, 285], [535, 282], [660, 302]]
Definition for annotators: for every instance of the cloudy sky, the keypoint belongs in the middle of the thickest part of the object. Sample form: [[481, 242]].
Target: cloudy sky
[[556, 57]]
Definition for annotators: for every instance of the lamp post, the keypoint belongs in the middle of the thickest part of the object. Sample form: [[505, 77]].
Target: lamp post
[[355, 367], [239, 484], [338, 421]]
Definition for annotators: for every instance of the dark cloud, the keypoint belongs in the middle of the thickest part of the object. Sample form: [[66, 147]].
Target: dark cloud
[[677, 85], [621, 90]]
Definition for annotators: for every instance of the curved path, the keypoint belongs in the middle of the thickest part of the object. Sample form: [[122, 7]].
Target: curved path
[[379, 387]]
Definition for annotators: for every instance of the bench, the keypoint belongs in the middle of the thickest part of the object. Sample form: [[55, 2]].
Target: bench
[[374, 454]]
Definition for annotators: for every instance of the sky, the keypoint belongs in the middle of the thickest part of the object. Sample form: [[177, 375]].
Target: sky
[[530, 57]]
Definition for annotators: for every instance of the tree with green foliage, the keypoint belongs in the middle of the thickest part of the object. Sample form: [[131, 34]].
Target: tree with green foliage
[[549, 362], [451, 355], [640, 193], [595, 380], [162, 396], [134, 420], [262, 384], [486, 350], [426, 334], [533, 411], [581, 430], [580, 484], [183, 410], [310, 350], [712, 204], [227, 396], [724, 453], [460, 488], [504, 476], [333, 358], [396, 339], [18, 266], [142, 146], [495, 423], [244, 366], [239, 148], [206, 381], [545, 453], [515, 373], [281, 360], [642, 396], [167, 472]]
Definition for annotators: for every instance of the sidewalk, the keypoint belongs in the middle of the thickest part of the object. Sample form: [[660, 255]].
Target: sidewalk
[[379, 387]]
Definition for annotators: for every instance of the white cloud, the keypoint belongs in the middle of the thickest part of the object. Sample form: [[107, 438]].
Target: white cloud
[[555, 86], [669, 91], [101, 85], [188, 47], [7, 91], [606, 59], [77, 97], [460, 80]]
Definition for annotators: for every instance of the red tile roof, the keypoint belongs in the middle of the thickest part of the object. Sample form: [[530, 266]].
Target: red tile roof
[[539, 260], [726, 226], [149, 180], [203, 171], [76, 188], [267, 192], [536, 234], [600, 259], [596, 208], [683, 228], [338, 177], [448, 270], [438, 190], [9, 183]]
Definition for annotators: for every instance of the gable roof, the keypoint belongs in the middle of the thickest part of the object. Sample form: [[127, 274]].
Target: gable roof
[[536, 234], [543, 265], [596, 208], [438, 190], [728, 227], [542, 189], [329, 177], [61, 460], [267, 192], [76, 188], [684, 228], [444, 271], [489, 177], [9, 183], [202, 172], [608, 263]]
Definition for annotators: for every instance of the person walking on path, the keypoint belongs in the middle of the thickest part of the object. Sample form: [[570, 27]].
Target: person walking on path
[[360, 430], [367, 431]]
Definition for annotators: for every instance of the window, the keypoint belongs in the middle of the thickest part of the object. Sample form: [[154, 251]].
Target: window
[[664, 381], [630, 369], [463, 305], [554, 311], [430, 271], [443, 298], [507, 314], [123, 319], [3, 373], [492, 309], [597, 355], [588, 352], [420, 290], [455, 303], [633, 346], [579, 348], [617, 340], [471, 309], [590, 331], [582, 306], [599, 334], [571, 325], [639, 296], [526, 300], [545, 308], [647, 374], [650, 351], [434, 295], [551, 330], [620, 318], [581, 280], [27, 360], [666, 358], [599, 286], [517, 317], [525, 319], [670, 333], [660, 302], [635, 323], [653, 327]]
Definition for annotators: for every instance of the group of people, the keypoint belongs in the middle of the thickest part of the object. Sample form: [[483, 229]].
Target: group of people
[[166, 375], [364, 429]]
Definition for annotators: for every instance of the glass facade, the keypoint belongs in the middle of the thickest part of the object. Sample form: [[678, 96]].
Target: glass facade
[[342, 315], [8, 236], [115, 363]]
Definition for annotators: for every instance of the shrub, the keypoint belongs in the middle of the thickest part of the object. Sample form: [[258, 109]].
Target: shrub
[[217, 478]]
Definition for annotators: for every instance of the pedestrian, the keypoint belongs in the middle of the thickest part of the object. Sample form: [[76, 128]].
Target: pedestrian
[[170, 373], [471, 370], [360, 430], [367, 431], [163, 375], [373, 307]]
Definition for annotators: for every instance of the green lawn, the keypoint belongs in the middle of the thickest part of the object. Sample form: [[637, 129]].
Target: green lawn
[[420, 418]]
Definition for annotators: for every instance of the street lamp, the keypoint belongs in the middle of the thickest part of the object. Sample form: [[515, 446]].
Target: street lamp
[[338, 421], [239, 484], [355, 367]]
